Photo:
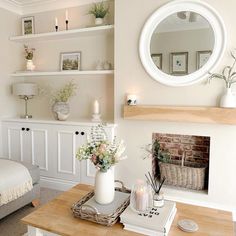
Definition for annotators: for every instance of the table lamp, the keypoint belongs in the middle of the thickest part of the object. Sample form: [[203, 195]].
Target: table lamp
[[25, 91]]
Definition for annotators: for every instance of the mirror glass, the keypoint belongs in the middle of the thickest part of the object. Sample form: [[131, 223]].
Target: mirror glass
[[182, 43]]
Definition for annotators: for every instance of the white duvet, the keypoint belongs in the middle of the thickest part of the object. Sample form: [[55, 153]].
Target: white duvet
[[15, 181]]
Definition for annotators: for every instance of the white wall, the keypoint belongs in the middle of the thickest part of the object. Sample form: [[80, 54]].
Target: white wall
[[10, 54], [130, 77]]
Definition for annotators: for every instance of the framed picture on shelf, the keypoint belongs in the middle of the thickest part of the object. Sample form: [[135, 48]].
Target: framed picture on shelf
[[28, 25], [179, 63], [157, 59], [202, 58], [70, 61]]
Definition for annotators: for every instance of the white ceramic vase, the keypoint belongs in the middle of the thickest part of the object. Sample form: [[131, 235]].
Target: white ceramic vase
[[104, 186], [228, 99], [30, 65], [98, 21], [61, 110]]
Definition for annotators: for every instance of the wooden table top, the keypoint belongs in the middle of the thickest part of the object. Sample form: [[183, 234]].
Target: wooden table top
[[56, 217]]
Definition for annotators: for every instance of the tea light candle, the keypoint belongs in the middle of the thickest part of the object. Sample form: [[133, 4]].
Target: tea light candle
[[131, 100], [141, 199], [96, 107]]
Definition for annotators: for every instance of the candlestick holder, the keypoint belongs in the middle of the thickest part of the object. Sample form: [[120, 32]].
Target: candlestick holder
[[96, 118], [56, 27], [67, 24]]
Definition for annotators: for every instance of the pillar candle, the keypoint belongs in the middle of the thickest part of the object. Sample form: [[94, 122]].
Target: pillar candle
[[56, 21], [96, 109], [141, 199]]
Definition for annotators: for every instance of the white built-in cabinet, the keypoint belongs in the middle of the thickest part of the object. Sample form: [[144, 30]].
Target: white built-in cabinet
[[51, 145]]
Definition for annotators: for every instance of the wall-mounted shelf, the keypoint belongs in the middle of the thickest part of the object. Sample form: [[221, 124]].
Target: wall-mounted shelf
[[213, 115], [66, 34], [61, 73]]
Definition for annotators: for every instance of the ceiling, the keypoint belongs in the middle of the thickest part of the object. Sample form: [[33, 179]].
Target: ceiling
[[25, 7]]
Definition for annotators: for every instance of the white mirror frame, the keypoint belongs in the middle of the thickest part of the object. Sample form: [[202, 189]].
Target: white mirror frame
[[158, 16]]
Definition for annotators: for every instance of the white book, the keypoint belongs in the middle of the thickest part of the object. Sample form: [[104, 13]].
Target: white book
[[150, 232], [156, 219]]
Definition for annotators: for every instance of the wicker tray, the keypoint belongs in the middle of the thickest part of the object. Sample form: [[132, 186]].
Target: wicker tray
[[90, 213]]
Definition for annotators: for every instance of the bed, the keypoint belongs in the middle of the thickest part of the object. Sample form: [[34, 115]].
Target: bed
[[30, 197]]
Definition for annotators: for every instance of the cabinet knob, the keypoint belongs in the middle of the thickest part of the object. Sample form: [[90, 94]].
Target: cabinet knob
[[23, 129], [76, 132], [27, 129], [82, 133]]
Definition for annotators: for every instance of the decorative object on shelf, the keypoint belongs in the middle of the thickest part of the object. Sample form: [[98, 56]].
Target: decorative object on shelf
[[29, 54], [179, 63], [56, 24], [158, 197], [107, 65], [188, 226], [99, 65], [88, 209], [25, 91], [228, 75], [140, 197], [157, 59], [202, 58], [104, 155], [67, 20], [61, 108], [131, 99], [96, 117], [70, 61], [99, 10], [28, 25]]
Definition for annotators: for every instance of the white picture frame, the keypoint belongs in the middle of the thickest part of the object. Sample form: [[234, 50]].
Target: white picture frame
[[70, 61], [203, 57], [179, 63], [28, 25]]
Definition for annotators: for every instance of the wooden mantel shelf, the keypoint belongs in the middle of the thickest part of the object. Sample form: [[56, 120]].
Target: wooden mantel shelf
[[214, 115]]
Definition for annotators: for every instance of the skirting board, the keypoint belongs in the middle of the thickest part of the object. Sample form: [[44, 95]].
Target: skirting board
[[58, 184]]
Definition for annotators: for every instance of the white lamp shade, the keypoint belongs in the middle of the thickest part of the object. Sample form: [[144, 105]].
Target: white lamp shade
[[25, 89]]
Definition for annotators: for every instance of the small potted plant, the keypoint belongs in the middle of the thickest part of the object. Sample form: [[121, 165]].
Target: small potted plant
[[29, 54], [228, 75], [99, 10], [61, 108]]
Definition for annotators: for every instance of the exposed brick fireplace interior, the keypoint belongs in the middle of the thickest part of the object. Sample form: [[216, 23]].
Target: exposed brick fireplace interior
[[194, 150]]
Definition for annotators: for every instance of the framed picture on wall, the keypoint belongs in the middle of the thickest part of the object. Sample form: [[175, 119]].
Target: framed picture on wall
[[28, 25], [157, 59], [179, 63], [70, 61], [202, 58]]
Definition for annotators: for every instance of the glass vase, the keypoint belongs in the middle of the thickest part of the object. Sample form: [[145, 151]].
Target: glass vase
[[158, 200]]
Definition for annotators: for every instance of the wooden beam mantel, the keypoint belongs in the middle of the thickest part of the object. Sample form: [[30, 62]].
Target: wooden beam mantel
[[213, 115]]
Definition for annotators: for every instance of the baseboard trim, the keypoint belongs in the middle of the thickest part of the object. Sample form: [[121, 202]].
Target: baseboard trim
[[58, 184]]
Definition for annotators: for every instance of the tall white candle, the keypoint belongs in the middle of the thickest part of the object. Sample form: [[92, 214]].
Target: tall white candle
[[96, 109], [56, 21], [67, 17]]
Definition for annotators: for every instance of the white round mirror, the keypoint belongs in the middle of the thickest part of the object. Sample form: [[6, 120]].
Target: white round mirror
[[181, 42]]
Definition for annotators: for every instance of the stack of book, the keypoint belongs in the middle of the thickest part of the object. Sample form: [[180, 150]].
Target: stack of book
[[155, 222]]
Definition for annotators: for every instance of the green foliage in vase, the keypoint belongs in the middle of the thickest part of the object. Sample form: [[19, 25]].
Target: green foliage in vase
[[29, 52], [65, 93], [228, 74], [99, 10]]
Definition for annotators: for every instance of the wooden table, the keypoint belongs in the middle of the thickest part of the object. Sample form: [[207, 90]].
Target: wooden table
[[55, 218]]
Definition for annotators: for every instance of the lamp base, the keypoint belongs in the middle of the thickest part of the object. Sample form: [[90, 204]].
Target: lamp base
[[26, 117]]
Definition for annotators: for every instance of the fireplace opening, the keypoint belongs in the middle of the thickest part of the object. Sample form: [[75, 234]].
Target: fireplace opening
[[183, 160]]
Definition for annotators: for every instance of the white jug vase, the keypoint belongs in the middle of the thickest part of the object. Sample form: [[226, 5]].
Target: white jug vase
[[228, 99]]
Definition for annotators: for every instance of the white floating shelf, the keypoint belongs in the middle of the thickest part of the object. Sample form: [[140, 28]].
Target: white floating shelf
[[66, 34], [61, 73]]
